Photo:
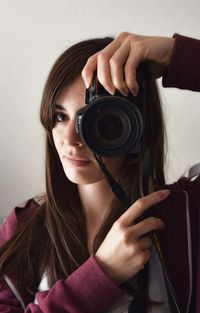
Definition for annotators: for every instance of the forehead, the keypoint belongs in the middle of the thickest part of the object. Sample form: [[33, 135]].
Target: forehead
[[73, 95]]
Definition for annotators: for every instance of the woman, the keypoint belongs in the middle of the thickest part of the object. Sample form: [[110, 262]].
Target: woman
[[78, 238]]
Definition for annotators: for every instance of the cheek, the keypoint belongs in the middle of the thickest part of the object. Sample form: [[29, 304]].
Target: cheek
[[55, 135], [56, 139]]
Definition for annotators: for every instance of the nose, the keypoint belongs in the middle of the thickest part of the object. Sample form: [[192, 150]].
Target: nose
[[71, 138]]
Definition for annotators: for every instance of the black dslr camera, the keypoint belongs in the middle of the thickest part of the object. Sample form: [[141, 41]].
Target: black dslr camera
[[113, 125]]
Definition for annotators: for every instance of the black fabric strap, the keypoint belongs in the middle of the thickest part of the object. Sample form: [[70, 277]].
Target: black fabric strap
[[139, 303], [116, 188]]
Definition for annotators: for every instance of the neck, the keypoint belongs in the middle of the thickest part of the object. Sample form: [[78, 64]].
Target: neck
[[96, 199]]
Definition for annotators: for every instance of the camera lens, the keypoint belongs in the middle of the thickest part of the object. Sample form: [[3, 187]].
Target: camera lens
[[110, 127]]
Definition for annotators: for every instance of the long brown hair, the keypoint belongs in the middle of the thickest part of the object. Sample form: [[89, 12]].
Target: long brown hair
[[54, 240]]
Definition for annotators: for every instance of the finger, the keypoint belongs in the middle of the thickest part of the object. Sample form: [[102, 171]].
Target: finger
[[145, 242], [142, 204], [136, 56], [103, 65], [146, 226], [89, 69], [99, 62], [117, 68], [103, 72]]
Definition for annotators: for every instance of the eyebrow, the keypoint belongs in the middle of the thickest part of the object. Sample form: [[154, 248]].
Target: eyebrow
[[59, 107]]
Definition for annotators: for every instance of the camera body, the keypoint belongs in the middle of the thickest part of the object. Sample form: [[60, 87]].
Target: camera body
[[112, 126]]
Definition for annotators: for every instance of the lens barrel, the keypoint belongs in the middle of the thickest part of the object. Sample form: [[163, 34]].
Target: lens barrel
[[113, 125]]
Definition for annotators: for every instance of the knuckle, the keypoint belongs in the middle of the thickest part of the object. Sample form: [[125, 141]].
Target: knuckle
[[141, 261], [127, 68], [114, 61], [140, 203], [118, 225], [135, 247], [136, 43], [138, 46], [130, 72], [86, 69], [125, 237], [124, 234], [84, 72], [133, 38], [89, 62], [123, 35], [90, 59], [102, 56], [144, 258]]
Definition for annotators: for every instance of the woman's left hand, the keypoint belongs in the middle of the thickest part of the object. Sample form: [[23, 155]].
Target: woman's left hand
[[116, 64]]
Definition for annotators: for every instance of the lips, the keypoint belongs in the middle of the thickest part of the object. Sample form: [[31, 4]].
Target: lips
[[77, 159], [78, 162]]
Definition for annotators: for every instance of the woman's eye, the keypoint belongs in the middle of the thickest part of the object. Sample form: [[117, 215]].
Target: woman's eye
[[59, 117]]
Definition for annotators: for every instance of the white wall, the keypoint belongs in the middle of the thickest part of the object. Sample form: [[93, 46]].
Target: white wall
[[32, 35]]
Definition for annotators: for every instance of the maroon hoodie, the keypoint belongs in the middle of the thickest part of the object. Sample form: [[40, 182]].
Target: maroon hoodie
[[88, 289]]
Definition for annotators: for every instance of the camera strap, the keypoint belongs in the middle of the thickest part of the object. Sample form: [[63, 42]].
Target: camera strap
[[116, 188]]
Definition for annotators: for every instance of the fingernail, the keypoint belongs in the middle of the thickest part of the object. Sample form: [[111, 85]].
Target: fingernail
[[165, 192], [134, 92], [111, 91], [163, 225], [87, 83], [124, 92]]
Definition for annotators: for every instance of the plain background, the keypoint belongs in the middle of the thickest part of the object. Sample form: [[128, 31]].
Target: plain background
[[33, 33]]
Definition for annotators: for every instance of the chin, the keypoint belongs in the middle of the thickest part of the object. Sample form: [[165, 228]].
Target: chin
[[84, 178]]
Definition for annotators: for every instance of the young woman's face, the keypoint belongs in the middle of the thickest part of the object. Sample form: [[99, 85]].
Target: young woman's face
[[79, 163]]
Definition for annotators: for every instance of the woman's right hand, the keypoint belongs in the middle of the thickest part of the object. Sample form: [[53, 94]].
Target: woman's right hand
[[127, 247]]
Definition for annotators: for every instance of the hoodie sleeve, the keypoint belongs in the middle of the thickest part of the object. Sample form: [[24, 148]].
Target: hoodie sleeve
[[184, 69], [86, 290]]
